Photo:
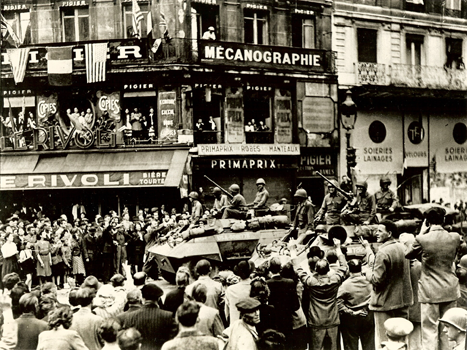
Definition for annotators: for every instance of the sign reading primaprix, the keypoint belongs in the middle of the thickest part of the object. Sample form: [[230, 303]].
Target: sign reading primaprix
[[262, 56], [256, 149]]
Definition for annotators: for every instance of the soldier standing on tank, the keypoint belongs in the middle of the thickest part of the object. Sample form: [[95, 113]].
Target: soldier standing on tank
[[235, 210], [221, 201], [304, 215], [332, 206], [196, 207], [386, 200], [363, 209], [262, 195]]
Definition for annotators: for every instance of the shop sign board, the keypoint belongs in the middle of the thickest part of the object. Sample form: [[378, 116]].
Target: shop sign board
[[266, 163], [86, 180], [168, 116], [318, 114], [250, 149], [415, 140], [263, 56], [120, 52], [314, 159]]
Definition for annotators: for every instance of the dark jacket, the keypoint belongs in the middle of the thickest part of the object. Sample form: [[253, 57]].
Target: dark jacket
[[284, 298], [29, 328]]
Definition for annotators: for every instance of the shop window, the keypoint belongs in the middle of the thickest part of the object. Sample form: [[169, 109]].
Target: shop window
[[256, 27], [258, 121], [204, 17], [128, 21], [366, 41], [75, 23], [454, 53], [207, 115], [21, 24], [303, 32], [414, 49]]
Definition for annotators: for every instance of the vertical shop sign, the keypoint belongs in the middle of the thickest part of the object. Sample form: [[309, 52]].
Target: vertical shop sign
[[234, 115], [283, 116], [168, 116], [47, 108], [318, 114], [415, 140], [108, 114]]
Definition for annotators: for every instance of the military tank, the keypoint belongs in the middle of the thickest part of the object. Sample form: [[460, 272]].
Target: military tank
[[223, 243]]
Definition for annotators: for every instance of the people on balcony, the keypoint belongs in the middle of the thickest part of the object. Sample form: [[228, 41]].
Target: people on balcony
[[209, 34], [136, 126], [212, 123], [199, 125]]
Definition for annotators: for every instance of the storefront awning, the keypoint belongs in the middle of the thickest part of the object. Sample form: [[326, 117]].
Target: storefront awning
[[162, 168]]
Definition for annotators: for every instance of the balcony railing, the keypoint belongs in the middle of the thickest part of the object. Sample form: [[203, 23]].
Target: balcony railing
[[425, 77]]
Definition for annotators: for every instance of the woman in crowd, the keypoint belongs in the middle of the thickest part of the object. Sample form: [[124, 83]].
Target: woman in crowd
[[27, 263], [44, 258], [58, 265], [9, 251], [60, 337], [136, 245], [77, 251]]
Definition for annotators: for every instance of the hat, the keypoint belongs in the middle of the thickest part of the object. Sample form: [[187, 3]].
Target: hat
[[456, 317], [152, 292], [211, 29], [134, 295], [248, 304], [139, 278], [463, 262], [398, 327], [91, 282]]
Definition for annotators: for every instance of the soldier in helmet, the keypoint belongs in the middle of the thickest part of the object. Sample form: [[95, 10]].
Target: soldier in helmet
[[235, 210], [386, 200], [221, 201], [455, 323], [304, 215], [262, 195], [196, 207], [363, 209], [332, 206]]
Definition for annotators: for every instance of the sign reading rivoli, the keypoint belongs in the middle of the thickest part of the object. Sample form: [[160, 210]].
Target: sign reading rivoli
[[262, 56]]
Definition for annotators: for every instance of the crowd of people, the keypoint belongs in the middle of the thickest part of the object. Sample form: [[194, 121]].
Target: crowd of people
[[407, 292]]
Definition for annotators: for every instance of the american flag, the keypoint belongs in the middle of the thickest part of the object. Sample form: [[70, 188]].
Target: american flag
[[10, 30], [96, 57], [138, 16]]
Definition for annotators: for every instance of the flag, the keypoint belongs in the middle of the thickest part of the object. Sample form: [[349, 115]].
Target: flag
[[10, 116], [415, 2], [149, 26], [10, 30], [26, 40], [60, 65], [18, 62], [138, 16], [157, 44], [96, 57], [163, 26]]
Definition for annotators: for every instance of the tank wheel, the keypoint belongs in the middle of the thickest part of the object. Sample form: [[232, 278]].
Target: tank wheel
[[168, 276]]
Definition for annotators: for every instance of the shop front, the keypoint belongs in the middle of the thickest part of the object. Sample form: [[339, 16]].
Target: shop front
[[101, 181]]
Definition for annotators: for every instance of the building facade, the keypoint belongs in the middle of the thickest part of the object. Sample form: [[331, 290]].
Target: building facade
[[403, 62], [117, 113]]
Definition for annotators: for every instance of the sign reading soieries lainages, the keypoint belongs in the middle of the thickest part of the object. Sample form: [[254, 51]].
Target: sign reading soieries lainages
[[252, 149]]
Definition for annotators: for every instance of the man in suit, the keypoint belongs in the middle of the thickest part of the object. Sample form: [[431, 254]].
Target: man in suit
[[29, 327], [209, 320], [438, 286], [392, 290], [214, 289], [155, 325], [283, 297], [85, 322]]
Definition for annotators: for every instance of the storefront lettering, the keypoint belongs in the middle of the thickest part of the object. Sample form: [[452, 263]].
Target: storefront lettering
[[213, 86], [109, 104], [244, 164], [421, 154], [259, 56], [316, 159], [455, 154], [8, 93], [256, 6], [259, 88], [45, 108], [138, 86], [377, 154], [265, 149], [74, 3], [15, 7], [303, 12]]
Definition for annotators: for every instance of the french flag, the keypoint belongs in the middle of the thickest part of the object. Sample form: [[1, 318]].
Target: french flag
[[60, 65]]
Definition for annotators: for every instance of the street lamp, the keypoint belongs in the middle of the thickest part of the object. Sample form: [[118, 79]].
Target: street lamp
[[348, 118]]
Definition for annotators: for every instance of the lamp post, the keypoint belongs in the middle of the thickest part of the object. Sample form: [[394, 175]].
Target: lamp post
[[348, 111]]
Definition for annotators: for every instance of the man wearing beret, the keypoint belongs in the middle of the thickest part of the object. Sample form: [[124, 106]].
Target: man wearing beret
[[438, 287], [243, 334], [155, 325]]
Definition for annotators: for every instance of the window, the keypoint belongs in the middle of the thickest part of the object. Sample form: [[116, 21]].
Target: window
[[128, 21], [256, 28], [303, 32], [203, 17], [75, 22], [366, 41], [20, 22], [454, 53], [258, 122], [414, 49]]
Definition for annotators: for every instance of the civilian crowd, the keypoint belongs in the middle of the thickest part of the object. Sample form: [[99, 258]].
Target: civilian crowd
[[410, 294]]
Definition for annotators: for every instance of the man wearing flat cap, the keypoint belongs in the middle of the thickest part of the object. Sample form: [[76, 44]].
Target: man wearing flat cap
[[397, 329], [243, 335], [155, 325], [438, 286]]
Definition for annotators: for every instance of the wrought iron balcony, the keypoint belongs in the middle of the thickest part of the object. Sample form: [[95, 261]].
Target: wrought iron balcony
[[371, 74]]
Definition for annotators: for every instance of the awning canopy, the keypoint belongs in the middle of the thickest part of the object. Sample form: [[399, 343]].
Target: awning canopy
[[138, 168]]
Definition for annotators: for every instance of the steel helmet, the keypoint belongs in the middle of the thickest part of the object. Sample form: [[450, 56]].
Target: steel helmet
[[333, 182], [301, 193], [216, 190], [385, 180], [363, 184], [260, 181], [456, 317], [234, 188], [463, 262], [193, 195], [321, 228]]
